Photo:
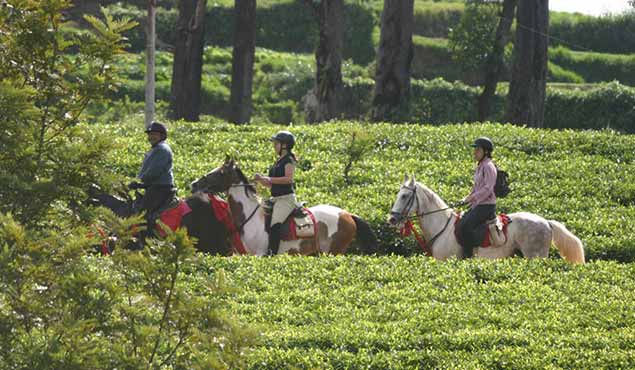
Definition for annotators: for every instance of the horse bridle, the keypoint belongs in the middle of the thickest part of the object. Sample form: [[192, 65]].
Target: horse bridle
[[407, 209], [400, 216]]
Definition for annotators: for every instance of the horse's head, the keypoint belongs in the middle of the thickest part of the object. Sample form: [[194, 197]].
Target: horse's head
[[220, 179], [415, 198], [405, 204]]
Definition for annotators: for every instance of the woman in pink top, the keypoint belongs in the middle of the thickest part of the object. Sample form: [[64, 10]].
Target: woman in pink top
[[482, 200]]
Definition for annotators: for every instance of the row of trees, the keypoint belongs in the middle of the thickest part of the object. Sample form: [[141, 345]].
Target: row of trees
[[394, 56]]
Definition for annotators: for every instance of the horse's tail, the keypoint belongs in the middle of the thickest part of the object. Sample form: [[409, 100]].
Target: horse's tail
[[365, 235], [569, 246]]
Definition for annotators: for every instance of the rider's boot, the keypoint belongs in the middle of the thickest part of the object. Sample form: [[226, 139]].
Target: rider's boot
[[274, 239], [468, 251]]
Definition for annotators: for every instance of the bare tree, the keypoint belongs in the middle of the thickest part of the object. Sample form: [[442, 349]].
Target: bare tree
[[394, 57], [322, 102], [243, 60], [496, 60], [185, 100], [527, 89]]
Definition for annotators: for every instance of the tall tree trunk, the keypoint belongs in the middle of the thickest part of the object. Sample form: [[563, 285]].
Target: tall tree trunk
[[496, 60], [394, 57], [322, 102], [527, 90], [150, 51], [243, 60], [185, 101]]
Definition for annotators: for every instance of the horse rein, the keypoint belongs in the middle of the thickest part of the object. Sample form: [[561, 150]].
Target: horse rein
[[404, 214]]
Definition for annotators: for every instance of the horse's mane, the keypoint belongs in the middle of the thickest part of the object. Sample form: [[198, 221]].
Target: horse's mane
[[243, 179], [435, 199]]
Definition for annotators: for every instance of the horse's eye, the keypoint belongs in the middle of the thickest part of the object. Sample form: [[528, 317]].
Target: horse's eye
[[403, 196]]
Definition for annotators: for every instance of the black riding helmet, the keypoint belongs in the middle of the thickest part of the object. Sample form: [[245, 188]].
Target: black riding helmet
[[158, 127], [483, 142], [284, 137]]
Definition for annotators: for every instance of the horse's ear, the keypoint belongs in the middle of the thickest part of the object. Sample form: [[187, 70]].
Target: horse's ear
[[227, 158], [414, 180], [405, 178]]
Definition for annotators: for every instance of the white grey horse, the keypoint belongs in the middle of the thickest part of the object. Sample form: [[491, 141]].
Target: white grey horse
[[528, 233]]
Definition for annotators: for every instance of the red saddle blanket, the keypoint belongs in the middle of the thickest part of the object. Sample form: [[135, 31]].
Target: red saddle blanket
[[172, 217], [503, 218]]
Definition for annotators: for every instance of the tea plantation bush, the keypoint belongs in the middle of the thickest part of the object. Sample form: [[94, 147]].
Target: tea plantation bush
[[282, 79], [584, 179], [433, 58], [416, 313], [596, 67]]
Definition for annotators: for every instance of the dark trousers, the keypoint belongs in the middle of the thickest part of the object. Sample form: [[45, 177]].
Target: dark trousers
[[154, 197], [274, 239], [472, 227]]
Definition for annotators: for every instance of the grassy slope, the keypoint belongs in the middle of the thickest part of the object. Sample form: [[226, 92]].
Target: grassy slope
[[585, 179]]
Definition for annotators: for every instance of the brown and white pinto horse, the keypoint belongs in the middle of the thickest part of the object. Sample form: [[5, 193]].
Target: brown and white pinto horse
[[336, 228], [528, 233]]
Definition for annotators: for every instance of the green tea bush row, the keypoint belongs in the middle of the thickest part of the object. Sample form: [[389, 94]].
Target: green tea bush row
[[440, 102], [584, 179], [407, 313], [282, 79], [595, 67]]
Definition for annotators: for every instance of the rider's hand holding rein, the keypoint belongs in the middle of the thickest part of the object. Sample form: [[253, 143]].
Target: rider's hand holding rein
[[262, 180]]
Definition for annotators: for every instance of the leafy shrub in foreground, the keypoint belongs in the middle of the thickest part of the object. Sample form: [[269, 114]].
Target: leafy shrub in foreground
[[63, 308]]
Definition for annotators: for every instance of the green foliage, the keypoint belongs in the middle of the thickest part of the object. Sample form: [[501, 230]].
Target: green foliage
[[281, 80], [596, 67], [604, 107], [585, 178], [417, 313], [355, 150], [559, 74], [605, 34], [49, 75], [472, 40], [284, 25], [63, 308]]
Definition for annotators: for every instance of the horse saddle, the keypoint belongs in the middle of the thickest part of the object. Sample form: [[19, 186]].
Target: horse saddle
[[496, 232], [299, 225]]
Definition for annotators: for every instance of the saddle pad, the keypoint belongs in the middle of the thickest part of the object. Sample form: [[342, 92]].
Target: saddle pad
[[172, 217]]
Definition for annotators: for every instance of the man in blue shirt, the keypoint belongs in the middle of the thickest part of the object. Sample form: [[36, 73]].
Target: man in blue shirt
[[156, 173]]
